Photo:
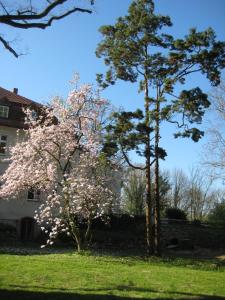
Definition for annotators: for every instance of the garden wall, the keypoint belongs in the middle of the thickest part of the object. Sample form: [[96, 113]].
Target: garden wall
[[125, 232]]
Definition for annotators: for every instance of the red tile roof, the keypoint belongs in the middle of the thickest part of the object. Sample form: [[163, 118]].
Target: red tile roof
[[13, 97]]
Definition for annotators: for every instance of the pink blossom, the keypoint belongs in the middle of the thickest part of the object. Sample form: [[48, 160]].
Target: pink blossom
[[60, 156]]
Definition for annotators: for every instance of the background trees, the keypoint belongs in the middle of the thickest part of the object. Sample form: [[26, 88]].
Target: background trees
[[214, 153], [27, 14], [200, 197], [194, 193], [133, 194], [136, 50], [60, 156], [217, 214], [179, 187], [134, 187]]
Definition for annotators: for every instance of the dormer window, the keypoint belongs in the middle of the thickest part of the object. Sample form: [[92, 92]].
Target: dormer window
[[4, 111]]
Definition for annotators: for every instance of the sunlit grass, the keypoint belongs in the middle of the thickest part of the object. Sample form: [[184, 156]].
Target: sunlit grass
[[72, 276]]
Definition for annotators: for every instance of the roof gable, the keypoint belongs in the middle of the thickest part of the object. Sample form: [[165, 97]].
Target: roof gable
[[13, 97], [16, 103]]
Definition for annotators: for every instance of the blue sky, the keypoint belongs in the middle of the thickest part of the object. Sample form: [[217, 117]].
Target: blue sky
[[69, 46]]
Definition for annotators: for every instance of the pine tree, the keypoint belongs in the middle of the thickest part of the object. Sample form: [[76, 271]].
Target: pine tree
[[135, 49]]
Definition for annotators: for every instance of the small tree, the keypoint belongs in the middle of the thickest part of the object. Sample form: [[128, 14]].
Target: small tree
[[60, 157]]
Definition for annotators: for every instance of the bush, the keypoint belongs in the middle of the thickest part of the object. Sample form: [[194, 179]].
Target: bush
[[175, 213], [7, 228], [217, 214], [118, 222], [7, 231], [196, 222]]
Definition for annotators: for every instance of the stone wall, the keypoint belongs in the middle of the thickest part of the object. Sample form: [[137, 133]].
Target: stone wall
[[175, 234]]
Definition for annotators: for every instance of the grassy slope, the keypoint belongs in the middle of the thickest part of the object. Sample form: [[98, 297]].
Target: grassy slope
[[71, 276]]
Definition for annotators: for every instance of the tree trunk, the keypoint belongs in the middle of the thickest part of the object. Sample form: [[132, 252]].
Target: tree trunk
[[78, 246], [76, 235], [87, 235], [156, 187], [149, 225]]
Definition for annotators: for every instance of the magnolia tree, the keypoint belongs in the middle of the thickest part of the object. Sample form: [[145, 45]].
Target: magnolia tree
[[60, 156]]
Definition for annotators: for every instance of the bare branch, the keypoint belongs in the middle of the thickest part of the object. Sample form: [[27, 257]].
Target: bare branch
[[8, 47], [3, 7], [128, 161], [41, 25], [179, 125], [29, 17], [21, 16]]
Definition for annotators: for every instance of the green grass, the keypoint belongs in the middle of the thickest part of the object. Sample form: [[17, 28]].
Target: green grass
[[71, 276]]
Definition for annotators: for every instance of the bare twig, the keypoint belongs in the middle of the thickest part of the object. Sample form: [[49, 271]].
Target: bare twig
[[29, 17]]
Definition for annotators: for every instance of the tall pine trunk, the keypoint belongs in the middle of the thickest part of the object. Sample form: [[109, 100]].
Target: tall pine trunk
[[149, 206], [157, 221]]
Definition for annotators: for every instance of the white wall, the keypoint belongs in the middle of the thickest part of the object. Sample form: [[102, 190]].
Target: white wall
[[18, 207]]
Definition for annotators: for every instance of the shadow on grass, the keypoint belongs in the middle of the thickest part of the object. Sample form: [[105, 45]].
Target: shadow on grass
[[88, 294], [28, 248]]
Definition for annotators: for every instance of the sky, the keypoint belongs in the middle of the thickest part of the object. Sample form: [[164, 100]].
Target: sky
[[53, 55]]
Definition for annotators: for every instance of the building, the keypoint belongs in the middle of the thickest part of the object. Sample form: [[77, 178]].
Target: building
[[16, 212]]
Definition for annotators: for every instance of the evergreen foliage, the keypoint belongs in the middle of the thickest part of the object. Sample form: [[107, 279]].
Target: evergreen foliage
[[136, 49]]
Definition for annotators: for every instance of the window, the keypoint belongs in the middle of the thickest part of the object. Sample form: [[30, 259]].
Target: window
[[33, 194], [34, 115], [3, 143], [4, 111]]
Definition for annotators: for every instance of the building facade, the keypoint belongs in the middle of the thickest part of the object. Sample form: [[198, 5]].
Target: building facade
[[18, 211]]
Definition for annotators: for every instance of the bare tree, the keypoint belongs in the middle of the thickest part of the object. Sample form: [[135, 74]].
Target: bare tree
[[214, 152], [133, 196], [178, 191], [193, 193], [200, 195], [26, 15], [134, 192]]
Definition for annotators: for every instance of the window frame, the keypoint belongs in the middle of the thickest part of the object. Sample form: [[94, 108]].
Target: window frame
[[4, 141], [36, 195], [4, 109]]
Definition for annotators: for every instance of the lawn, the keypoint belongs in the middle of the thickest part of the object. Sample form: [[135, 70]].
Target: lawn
[[71, 276]]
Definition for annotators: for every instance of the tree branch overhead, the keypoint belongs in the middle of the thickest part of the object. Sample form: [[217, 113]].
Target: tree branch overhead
[[29, 16]]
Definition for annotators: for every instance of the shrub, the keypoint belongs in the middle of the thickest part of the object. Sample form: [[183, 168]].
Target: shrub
[[7, 228], [175, 213], [196, 222], [217, 214]]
